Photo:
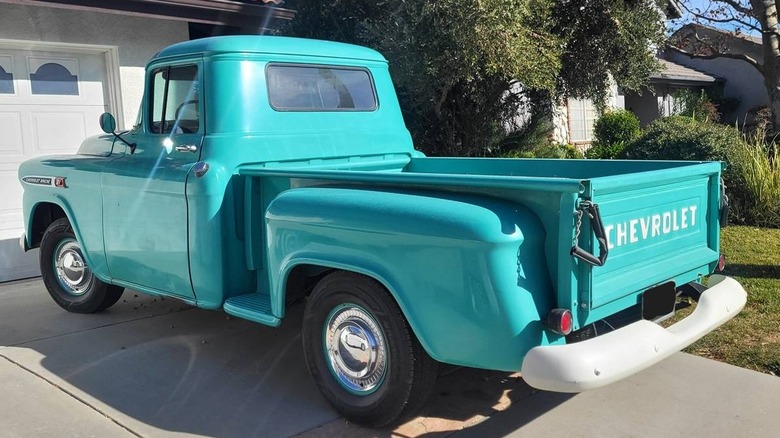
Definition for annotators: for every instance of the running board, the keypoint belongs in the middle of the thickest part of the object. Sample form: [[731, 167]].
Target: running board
[[254, 307]]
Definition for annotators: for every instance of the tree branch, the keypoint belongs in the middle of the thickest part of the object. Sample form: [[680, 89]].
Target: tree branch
[[737, 7], [727, 19], [716, 55]]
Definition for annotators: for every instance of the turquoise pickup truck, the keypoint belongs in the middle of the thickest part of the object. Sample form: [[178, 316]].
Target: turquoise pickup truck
[[267, 170]]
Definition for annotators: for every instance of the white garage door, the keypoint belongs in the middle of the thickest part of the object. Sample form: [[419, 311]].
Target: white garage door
[[49, 102]]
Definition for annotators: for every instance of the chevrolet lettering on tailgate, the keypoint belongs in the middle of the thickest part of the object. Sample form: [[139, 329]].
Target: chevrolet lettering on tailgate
[[651, 226]]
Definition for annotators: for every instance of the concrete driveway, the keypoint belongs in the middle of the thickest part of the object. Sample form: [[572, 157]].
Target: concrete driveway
[[157, 368]]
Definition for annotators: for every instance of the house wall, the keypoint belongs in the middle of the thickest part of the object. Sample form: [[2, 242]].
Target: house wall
[[137, 39], [742, 81], [654, 102], [644, 106], [562, 116]]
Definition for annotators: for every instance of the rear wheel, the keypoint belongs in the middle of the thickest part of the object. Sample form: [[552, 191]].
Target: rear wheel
[[362, 353], [66, 275]]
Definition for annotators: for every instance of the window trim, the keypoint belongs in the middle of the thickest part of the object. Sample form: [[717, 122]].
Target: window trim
[[584, 120], [334, 67], [148, 117]]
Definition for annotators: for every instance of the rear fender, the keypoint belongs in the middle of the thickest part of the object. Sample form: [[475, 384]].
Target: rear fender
[[467, 272]]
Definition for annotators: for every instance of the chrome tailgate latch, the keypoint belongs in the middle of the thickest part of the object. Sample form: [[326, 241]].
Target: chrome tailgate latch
[[591, 210]]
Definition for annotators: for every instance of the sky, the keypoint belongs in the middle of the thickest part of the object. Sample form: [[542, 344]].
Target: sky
[[711, 8]]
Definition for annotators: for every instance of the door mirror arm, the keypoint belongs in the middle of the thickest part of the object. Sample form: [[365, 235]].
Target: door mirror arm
[[108, 125]]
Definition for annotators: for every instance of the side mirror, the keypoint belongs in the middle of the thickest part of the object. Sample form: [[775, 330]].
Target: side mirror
[[107, 123]]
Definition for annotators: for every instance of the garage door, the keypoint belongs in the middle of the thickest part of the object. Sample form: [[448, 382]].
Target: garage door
[[49, 102]]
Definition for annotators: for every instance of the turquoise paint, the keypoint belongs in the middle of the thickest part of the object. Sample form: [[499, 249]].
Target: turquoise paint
[[451, 261], [475, 251]]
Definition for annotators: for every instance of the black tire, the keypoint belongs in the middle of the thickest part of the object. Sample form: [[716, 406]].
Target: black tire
[[344, 304], [70, 282]]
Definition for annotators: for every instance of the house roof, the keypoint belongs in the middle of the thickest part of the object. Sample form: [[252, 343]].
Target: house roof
[[241, 13], [714, 30], [676, 73]]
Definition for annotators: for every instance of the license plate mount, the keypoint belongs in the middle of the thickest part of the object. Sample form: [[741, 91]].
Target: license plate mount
[[659, 301]]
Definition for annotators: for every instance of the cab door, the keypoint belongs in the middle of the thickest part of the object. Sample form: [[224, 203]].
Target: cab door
[[144, 192]]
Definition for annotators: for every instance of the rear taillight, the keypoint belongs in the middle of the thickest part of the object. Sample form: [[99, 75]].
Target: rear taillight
[[721, 263], [560, 321]]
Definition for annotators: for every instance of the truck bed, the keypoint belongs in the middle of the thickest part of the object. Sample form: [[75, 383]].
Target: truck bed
[[661, 217]]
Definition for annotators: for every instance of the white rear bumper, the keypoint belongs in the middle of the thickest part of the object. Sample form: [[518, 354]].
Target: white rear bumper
[[608, 358]]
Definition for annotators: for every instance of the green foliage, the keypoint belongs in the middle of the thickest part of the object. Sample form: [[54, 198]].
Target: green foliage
[[760, 179], [618, 126], [612, 131], [695, 104], [453, 61], [548, 150], [463, 68], [708, 104], [752, 175], [605, 151], [684, 138], [604, 40], [533, 134], [532, 140]]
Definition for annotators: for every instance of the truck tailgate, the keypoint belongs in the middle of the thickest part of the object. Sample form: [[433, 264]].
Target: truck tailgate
[[659, 227]]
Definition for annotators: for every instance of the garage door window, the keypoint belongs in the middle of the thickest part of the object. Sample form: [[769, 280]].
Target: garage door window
[[54, 79], [6, 78]]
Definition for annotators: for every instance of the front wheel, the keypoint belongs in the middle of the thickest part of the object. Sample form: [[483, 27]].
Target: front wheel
[[66, 275], [362, 353]]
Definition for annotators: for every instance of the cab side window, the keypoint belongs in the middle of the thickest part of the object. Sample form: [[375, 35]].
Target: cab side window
[[174, 106]]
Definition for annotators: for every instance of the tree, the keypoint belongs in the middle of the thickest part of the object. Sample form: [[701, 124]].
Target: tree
[[734, 18], [463, 68]]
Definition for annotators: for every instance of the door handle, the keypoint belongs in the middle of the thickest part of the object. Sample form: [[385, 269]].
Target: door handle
[[187, 148]]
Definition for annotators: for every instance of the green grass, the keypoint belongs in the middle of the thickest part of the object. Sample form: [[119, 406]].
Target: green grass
[[752, 339]]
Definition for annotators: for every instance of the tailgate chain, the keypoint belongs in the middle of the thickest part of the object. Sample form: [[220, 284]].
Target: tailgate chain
[[592, 211]]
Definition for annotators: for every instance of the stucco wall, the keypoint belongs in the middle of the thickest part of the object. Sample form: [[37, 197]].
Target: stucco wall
[[137, 39], [742, 81], [645, 106]]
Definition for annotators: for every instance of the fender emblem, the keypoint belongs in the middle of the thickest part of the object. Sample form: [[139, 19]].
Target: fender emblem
[[56, 181]]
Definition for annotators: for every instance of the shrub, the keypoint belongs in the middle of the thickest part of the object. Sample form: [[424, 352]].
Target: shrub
[[684, 138], [760, 176], [533, 141], [616, 127], [548, 150], [696, 104], [605, 151], [752, 178], [534, 134]]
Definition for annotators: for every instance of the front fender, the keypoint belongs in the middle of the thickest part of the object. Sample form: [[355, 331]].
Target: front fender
[[80, 200], [95, 257]]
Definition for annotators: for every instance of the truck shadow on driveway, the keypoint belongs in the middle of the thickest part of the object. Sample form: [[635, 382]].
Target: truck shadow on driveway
[[156, 366]]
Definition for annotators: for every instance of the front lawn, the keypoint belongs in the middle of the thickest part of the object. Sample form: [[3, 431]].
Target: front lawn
[[752, 339]]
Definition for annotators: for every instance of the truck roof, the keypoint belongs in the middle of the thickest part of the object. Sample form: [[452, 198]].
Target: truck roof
[[269, 45]]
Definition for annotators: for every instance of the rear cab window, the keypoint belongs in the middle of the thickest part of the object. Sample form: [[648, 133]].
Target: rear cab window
[[320, 88]]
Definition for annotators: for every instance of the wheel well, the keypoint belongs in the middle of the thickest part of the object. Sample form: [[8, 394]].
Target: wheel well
[[43, 216], [302, 279]]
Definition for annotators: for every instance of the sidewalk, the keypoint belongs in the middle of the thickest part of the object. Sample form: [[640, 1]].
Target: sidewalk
[[158, 368]]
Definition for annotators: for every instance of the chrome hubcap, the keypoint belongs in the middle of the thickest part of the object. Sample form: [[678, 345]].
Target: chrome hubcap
[[355, 348], [73, 273]]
